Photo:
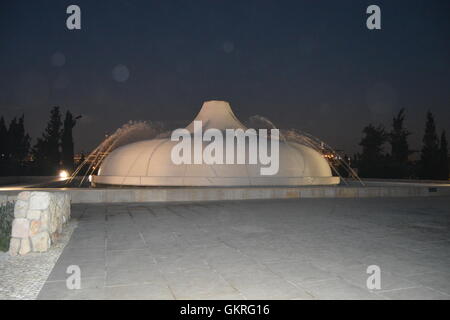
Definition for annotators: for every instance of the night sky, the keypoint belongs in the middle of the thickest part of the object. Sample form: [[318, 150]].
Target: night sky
[[311, 65]]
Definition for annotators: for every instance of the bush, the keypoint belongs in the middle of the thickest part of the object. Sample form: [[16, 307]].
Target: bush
[[6, 219]]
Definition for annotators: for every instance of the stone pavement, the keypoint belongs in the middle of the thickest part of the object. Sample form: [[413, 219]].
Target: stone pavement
[[269, 249]]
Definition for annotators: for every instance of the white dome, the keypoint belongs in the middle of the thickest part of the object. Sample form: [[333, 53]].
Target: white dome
[[149, 163]]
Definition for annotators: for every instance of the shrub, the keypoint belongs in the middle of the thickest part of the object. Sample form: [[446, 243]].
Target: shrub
[[6, 218]]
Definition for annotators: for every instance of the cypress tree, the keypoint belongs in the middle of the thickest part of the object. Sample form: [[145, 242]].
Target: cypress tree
[[372, 159], [67, 145], [398, 138], [429, 157], [47, 148]]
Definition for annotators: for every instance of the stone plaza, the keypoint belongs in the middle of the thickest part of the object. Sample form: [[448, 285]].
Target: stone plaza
[[258, 249]]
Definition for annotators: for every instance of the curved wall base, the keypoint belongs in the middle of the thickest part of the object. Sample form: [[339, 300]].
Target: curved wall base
[[215, 181]]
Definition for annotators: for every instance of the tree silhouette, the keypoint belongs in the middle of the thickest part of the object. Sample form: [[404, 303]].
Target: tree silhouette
[[67, 145], [443, 157], [46, 150], [371, 161], [14, 146], [429, 158], [19, 140], [398, 138], [3, 139]]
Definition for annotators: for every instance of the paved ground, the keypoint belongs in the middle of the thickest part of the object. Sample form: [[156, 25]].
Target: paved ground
[[287, 249], [22, 277]]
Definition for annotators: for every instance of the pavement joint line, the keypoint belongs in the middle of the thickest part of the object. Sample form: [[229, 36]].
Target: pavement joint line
[[379, 294], [436, 290], [131, 249], [299, 287], [156, 264], [214, 270], [313, 282], [105, 268], [82, 278], [399, 289], [222, 277]]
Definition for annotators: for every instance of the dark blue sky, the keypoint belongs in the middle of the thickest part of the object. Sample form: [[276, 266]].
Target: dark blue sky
[[312, 65]]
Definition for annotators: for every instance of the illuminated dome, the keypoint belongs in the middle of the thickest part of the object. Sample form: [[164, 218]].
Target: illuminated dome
[[149, 163]]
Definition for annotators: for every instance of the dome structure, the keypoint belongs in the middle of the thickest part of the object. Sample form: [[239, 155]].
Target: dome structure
[[150, 162]]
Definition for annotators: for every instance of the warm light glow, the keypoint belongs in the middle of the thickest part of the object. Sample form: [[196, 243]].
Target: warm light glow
[[63, 174], [329, 156]]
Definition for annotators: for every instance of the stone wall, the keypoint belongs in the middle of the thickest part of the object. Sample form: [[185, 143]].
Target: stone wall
[[38, 220]]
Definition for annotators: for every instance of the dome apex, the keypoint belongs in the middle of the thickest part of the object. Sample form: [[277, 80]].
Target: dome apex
[[216, 114]]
